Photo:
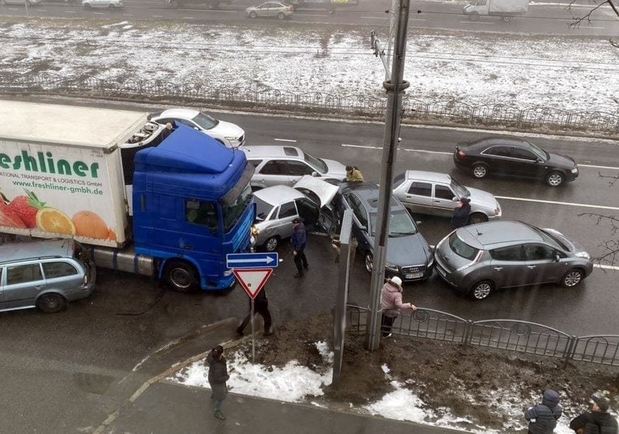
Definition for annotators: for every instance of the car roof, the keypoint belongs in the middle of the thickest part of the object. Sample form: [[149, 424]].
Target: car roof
[[178, 113], [278, 194], [35, 249], [422, 175], [498, 140], [367, 192], [269, 151], [501, 233]]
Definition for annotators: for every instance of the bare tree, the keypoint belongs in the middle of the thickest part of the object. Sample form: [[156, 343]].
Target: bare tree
[[597, 5]]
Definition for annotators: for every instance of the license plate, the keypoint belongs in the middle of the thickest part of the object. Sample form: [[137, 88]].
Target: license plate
[[413, 276]]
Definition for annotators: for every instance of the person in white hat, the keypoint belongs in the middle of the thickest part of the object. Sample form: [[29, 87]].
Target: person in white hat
[[392, 304]]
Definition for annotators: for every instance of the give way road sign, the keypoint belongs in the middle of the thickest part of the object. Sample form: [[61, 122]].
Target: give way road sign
[[252, 279]]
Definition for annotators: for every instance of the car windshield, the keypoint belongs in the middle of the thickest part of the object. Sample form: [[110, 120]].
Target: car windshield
[[316, 163], [539, 152], [462, 249], [398, 180], [263, 209], [205, 121], [233, 210], [552, 239], [400, 223], [460, 190]]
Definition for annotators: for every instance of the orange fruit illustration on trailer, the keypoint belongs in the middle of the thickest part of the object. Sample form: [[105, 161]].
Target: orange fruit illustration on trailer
[[53, 220], [91, 225]]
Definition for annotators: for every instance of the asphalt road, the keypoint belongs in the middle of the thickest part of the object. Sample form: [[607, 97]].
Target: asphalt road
[[57, 368], [548, 17]]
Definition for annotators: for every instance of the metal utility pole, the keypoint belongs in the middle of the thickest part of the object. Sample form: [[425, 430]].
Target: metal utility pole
[[395, 89]]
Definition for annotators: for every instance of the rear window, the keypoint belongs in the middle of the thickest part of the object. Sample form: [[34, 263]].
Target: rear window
[[462, 249]]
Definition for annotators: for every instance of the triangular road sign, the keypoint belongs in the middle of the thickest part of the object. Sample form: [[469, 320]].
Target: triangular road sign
[[252, 279]]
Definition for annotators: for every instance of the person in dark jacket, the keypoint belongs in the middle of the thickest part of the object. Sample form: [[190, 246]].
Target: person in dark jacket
[[597, 421], [461, 213], [217, 377], [261, 306], [543, 417], [299, 241]]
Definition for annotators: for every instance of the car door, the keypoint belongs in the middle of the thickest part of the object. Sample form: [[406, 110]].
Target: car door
[[542, 264], [498, 158], [444, 201], [308, 211], [360, 229], [418, 197], [24, 282], [283, 223], [507, 266], [269, 10], [274, 172], [526, 163]]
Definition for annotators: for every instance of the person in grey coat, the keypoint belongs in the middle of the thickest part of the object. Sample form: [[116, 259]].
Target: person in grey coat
[[543, 417], [217, 377]]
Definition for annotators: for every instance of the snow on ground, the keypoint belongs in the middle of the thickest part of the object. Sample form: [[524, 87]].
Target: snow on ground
[[559, 72], [296, 383]]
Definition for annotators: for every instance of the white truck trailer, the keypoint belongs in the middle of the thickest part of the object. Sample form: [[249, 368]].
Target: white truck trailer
[[506, 9]]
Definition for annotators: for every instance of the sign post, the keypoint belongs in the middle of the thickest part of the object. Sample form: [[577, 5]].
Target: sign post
[[252, 270]]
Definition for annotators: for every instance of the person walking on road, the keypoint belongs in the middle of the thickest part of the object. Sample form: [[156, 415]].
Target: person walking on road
[[217, 377], [261, 306], [391, 297], [299, 242], [597, 421], [461, 213], [543, 417]]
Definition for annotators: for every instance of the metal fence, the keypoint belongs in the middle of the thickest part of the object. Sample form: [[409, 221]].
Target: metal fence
[[450, 112], [503, 334]]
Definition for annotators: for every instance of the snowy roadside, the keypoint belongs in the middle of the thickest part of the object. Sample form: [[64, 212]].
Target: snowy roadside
[[559, 72]]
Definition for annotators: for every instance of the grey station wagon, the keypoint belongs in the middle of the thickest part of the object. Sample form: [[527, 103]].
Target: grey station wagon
[[44, 274], [481, 258]]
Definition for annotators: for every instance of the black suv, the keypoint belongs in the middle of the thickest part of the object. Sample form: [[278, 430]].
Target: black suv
[[408, 254]]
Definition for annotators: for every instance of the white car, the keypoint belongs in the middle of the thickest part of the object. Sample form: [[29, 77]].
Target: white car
[[110, 4], [20, 2], [228, 134], [437, 194]]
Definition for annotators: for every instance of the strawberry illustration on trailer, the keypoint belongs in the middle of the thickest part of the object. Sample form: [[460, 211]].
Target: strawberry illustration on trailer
[[8, 217], [26, 207]]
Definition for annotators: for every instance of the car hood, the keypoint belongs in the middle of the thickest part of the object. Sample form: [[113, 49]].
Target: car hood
[[409, 250], [335, 169], [226, 129], [481, 199], [325, 191], [562, 161]]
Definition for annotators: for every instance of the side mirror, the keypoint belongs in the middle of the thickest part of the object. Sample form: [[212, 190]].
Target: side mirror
[[557, 257], [315, 174]]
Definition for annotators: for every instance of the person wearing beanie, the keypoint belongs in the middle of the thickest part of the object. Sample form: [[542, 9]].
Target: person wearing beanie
[[391, 298], [598, 420], [461, 213], [543, 417]]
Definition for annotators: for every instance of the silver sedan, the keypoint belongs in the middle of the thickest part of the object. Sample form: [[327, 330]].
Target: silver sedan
[[438, 194]]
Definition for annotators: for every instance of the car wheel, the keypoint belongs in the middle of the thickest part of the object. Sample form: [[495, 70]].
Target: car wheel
[[479, 170], [51, 303], [281, 16], [555, 179], [181, 277], [481, 290], [2, 2], [253, 15], [477, 218], [174, 3], [369, 262], [572, 278], [271, 244]]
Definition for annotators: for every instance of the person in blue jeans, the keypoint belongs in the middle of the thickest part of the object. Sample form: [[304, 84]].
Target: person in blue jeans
[[299, 241], [217, 377]]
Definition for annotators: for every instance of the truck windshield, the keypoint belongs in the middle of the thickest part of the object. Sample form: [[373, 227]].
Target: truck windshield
[[234, 209]]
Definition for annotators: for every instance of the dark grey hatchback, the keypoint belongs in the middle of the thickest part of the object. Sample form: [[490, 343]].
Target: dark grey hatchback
[[408, 254], [514, 157]]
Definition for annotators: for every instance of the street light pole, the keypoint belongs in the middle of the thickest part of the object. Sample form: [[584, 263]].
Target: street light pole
[[395, 89]]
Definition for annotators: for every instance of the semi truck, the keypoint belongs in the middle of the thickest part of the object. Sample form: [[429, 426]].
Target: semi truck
[[506, 9], [329, 5], [144, 199], [207, 4]]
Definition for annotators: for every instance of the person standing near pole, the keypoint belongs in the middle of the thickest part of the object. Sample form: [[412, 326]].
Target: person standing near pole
[[217, 377], [299, 241], [392, 304], [261, 306]]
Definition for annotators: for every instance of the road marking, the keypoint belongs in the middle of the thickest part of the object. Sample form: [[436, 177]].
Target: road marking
[[285, 140], [423, 151], [486, 23], [606, 267], [552, 202]]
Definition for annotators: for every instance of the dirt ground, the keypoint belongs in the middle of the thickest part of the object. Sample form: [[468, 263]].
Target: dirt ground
[[469, 382]]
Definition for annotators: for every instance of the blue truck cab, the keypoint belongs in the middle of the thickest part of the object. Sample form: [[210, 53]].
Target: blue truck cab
[[192, 205]]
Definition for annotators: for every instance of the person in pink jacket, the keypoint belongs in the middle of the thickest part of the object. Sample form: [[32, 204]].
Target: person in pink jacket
[[392, 304]]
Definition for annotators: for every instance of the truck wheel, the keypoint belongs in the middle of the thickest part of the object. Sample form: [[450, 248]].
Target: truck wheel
[[174, 3], [181, 277], [51, 303], [507, 19]]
